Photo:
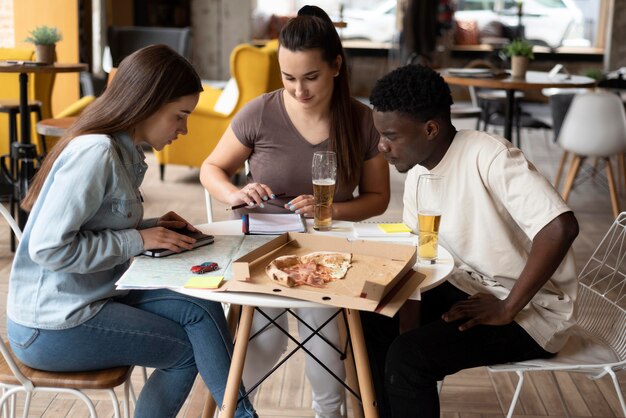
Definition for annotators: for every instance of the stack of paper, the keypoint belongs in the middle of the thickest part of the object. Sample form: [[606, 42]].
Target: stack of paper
[[273, 223], [381, 230]]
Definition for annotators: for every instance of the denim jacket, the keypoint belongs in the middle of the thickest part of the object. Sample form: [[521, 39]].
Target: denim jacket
[[80, 235]]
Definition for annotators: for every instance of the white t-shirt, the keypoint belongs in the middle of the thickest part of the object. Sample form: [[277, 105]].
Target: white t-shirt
[[495, 202]]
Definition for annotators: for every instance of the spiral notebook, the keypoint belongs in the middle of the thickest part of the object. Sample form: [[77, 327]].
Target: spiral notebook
[[272, 223]]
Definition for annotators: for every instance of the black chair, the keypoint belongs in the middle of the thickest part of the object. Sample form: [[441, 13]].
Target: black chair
[[124, 40]]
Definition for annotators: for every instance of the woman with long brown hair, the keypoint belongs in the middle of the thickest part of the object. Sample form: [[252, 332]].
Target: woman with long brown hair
[[85, 224], [277, 134]]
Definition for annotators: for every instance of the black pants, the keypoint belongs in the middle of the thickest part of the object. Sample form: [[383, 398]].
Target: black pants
[[406, 367]]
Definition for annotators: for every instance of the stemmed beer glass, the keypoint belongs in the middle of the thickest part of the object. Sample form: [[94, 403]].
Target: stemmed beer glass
[[429, 208], [324, 174]]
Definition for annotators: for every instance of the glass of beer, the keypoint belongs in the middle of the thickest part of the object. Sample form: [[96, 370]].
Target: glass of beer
[[429, 208], [324, 173]]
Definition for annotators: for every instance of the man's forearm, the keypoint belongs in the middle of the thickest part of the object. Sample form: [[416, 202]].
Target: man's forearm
[[546, 254]]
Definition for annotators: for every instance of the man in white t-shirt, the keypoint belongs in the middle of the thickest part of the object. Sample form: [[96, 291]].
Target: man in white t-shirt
[[511, 294]]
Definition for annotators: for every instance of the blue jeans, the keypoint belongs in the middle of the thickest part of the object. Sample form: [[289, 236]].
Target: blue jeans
[[178, 335]]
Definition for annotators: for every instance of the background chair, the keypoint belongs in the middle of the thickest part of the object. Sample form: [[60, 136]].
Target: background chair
[[16, 377], [595, 126], [597, 346], [254, 71], [124, 40]]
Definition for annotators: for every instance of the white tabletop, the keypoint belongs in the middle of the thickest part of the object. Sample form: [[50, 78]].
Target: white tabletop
[[435, 273]]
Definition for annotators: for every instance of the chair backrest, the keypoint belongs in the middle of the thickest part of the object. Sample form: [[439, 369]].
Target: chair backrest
[[209, 206], [255, 70], [601, 302], [124, 40], [595, 125], [14, 226]]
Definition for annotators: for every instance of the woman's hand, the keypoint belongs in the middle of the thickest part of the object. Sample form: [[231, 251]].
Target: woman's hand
[[303, 204], [252, 194], [172, 220], [160, 237]]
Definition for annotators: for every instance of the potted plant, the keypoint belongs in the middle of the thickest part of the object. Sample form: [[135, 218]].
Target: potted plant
[[44, 38], [521, 52]]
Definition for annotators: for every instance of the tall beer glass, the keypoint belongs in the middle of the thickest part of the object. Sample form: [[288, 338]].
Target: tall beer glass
[[429, 208], [324, 173]]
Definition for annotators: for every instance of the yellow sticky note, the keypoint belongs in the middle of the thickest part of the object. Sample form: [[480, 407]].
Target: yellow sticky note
[[206, 282], [394, 228]]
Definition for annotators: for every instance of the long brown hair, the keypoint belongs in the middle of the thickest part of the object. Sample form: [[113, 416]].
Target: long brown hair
[[313, 29], [144, 82]]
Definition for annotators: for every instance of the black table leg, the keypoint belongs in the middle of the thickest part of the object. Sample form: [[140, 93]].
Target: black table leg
[[23, 153], [508, 115], [24, 156]]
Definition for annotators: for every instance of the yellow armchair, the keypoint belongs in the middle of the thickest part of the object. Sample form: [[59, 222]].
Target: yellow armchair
[[255, 71]]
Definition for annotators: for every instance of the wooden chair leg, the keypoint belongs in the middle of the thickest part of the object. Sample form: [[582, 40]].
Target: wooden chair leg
[[621, 174], [612, 188], [571, 176], [595, 168], [209, 407], [620, 170], [559, 171]]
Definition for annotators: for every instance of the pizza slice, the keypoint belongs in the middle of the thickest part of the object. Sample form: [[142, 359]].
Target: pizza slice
[[336, 263], [313, 269]]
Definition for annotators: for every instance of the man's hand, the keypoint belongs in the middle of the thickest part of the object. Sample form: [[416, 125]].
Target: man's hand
[[481, 308]]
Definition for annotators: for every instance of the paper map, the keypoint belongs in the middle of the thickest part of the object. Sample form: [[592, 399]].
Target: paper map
[[173, 271]]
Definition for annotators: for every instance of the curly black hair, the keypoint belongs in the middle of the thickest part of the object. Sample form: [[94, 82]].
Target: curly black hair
[[414, 90]]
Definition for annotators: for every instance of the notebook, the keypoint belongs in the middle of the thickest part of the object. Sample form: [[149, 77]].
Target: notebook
[[201, 239], [272, 223]]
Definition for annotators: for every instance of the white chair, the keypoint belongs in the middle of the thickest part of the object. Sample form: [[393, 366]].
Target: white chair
[[209, 207], [207, 196], [594, 126], [459, 111], [16, 377], [597, 345]]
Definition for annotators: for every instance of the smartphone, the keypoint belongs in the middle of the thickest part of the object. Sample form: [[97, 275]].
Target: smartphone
[[201, 239]]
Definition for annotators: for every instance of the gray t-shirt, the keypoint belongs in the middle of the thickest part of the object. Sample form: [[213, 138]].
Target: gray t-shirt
[[281, 157]]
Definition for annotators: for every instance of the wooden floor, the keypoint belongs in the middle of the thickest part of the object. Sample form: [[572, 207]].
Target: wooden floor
[[470, 394]]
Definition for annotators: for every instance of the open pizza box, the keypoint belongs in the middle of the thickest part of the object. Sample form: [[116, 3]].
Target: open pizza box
[[380, 279]]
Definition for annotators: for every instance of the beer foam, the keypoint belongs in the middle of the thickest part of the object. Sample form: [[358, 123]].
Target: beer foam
[[324, 182]]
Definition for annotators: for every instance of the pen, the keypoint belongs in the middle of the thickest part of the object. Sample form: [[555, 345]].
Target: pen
[[243, 205]]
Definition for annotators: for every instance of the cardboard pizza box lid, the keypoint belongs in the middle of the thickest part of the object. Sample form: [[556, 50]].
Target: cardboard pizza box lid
[[380, 279]]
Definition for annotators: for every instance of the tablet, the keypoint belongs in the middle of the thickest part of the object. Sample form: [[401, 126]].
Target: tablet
[[201, 239]]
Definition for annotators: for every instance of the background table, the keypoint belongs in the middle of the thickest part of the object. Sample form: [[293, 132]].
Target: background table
[[534, 80], [434, 275], [24, 153]]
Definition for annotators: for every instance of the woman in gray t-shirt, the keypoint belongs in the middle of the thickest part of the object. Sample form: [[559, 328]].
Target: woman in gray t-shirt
[[277, 134]]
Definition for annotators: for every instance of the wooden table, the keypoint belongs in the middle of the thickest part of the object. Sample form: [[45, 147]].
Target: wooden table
[[535, 80], [56, 126], [24, 152], [435, 274]]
